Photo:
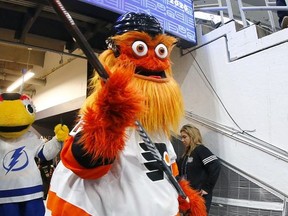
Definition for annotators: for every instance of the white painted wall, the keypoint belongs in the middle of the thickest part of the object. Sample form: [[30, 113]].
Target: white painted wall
[[68, 83], [253, 89]]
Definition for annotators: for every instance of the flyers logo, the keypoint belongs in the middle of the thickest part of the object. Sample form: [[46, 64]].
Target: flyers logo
[[154, 171]]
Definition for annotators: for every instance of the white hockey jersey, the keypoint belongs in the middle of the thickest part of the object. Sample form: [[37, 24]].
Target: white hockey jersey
[[133, 186], [19, 175]]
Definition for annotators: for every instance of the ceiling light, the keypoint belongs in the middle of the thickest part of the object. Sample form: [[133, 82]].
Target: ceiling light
[[28, 75]]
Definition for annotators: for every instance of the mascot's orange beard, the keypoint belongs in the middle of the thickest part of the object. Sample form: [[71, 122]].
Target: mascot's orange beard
[[164, 102], [164, 105]]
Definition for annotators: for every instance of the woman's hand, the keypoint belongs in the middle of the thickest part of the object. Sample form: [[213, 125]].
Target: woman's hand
[[203, 192]]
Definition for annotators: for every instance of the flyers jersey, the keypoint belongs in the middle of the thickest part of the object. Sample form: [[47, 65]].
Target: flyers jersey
[[133, 186]]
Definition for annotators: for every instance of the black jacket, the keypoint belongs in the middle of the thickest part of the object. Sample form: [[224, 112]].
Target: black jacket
[[201, 168]]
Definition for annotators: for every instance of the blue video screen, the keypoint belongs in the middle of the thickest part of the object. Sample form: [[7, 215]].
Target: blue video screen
[[176, 16]]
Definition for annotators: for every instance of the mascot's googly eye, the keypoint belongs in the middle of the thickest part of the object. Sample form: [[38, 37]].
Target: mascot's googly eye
[[161, 51], [140, 48], [29, 106]]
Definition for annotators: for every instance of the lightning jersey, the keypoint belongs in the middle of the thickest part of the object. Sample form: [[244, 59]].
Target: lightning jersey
[[19, 175], [133, 186]]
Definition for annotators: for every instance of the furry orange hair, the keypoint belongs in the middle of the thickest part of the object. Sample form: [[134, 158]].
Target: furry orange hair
[[160, 104]]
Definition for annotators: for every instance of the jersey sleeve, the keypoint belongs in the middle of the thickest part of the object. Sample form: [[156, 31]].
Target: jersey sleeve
[[173, 158], [44, 150], [212, 165], [51, 148], [171, 152], [75, 158]]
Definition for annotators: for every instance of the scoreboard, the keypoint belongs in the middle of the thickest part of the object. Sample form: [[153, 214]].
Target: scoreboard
[[176, 16]]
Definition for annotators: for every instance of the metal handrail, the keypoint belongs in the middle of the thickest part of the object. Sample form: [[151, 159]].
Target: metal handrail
[[280, 194], [218, 7], [240, 136], [268, 8], [230, 132]]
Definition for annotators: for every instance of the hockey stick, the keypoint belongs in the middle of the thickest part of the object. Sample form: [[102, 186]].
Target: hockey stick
[[94, 61]]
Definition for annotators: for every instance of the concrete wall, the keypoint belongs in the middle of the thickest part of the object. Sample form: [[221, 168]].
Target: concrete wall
[[249, 76], [66, 84]]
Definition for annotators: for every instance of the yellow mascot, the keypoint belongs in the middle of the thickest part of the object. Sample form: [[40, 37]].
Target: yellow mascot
[[21, 187], [106, 168]]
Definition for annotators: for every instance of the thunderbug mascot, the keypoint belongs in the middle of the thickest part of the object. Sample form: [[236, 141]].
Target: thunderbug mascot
[[21, 187], [106, 169]]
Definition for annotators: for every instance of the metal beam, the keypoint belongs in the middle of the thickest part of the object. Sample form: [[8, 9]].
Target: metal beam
[[30, 18]]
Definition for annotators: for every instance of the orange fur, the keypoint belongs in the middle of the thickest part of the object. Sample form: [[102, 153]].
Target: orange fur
[[163, 101], [109, 112], [196, 206], [165, 105], [114, 106], [150, 61]]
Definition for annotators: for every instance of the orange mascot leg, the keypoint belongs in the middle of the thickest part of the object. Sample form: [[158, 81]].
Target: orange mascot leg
[[195, 206]]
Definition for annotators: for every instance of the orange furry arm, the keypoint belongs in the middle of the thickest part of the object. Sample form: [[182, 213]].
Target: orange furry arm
[[196, 206], [113, 109]]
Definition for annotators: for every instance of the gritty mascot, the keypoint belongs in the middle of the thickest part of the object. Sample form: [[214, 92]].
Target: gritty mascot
[[21, 187], [106, 169]]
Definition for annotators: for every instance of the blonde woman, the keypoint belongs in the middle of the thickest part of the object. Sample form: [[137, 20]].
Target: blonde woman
[[198, 164]]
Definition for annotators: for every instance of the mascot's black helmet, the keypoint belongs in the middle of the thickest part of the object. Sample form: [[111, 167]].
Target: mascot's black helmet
[[137, 22]]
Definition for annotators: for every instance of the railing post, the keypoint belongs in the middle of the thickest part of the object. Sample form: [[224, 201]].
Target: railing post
[[229, 8], [284, 206], [243, 17], [271, 18], [221, 12]]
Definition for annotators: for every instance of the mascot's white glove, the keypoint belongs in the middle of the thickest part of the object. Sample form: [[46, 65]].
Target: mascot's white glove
[[61, 132]]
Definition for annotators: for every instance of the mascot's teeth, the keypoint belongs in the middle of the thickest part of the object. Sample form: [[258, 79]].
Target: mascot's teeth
[[156, 77]]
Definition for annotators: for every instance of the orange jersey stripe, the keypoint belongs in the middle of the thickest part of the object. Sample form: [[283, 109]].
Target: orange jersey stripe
[[69, 162], [174, 168], [60, 207]]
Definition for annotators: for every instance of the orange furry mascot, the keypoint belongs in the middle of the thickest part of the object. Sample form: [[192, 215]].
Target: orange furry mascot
[[106, 168]]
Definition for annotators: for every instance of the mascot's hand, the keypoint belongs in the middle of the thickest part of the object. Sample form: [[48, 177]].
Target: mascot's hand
[[194, 205], [110, 111], [120, 101], [61, 132]]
